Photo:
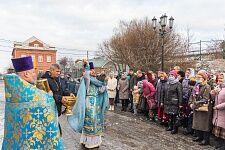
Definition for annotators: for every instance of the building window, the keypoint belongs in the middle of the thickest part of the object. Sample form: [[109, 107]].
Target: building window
[[36, 45], [49, 59], [23, 55], [33, 57], [40, 58]]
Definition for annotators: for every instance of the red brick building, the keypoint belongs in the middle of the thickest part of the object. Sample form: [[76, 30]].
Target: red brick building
[[42, 54]]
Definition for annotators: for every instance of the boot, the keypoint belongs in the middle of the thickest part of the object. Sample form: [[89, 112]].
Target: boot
[[125, 108], [220, 143], [122, 108], [204, 142], [169, 128], [171, 124], [126, 105], [221, 148], [194, 135], [187, 131], [175, 130], [199, 137], [123, 105], [151, 116], [166, 124], [112, 108], [161, 123], [135, 109], [206, 138]]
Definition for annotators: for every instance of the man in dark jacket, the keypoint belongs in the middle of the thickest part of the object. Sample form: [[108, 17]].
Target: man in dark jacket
[[72, 85], [57, 86], [181, 76]]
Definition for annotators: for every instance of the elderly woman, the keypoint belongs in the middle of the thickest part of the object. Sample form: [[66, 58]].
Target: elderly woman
[[149, 94], [111, 86], [173, 100], [219, 111], [160, 97], [202, 109], [123, 86]]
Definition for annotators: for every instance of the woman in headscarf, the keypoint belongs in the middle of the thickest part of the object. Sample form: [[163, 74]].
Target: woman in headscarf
[[219, 111], [151, 77], [111, 86], [173, 100], [123, 86], [187, 84], [149, 94], [202, 108], [160, 97]]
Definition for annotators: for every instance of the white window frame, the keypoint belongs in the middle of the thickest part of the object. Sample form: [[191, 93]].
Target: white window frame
[[36, 45], [40, 58], [33, 57], [49, 58]]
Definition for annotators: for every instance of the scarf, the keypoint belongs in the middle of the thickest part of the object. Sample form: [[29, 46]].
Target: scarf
[[197, 87], [173, 81]]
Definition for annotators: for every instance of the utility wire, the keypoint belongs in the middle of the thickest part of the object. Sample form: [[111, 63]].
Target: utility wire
[[57, 52], [71, 53], [58, 48], [76, 54], [5, 51]]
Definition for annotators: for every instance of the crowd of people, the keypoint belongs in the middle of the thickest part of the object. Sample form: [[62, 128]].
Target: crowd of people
[[195, 102], [174, 99]]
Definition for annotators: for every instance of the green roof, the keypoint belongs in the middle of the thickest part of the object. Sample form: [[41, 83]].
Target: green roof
[[99, 61]]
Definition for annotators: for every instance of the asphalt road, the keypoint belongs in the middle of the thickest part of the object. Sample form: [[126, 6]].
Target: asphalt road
[[127, 132]]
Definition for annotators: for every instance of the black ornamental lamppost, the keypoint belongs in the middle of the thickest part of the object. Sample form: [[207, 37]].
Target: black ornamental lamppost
[[163, 32]]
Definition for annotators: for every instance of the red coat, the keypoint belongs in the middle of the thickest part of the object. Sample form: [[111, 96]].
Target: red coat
[[149, 92], [148, 89]]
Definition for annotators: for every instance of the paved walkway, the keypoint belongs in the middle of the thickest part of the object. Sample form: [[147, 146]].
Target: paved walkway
[[126, 132]]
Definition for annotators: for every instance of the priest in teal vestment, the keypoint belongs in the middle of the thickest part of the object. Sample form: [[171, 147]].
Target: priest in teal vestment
[[89, 110], [31, 119]]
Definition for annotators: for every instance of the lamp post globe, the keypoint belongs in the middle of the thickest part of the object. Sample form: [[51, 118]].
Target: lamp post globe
[[162, 32]]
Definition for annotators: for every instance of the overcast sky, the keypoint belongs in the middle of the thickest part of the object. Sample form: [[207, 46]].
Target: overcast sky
[[83, 24]]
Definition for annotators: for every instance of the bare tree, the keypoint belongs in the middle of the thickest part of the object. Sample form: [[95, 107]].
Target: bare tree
[[63, 62], [138, 45], [183, 57], [215, 49]]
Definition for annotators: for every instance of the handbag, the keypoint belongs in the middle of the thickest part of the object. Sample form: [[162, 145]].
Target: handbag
[[151, 103], [203, 107]]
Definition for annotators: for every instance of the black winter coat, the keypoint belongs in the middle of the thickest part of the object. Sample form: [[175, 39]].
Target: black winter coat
[[173, 98], [72, 87], [161, 91], [58, 88]]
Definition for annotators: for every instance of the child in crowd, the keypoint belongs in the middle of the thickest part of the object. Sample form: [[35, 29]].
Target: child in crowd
[[136, 98]]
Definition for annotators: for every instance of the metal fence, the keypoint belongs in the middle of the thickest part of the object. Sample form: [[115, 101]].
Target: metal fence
[[203, 50]]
